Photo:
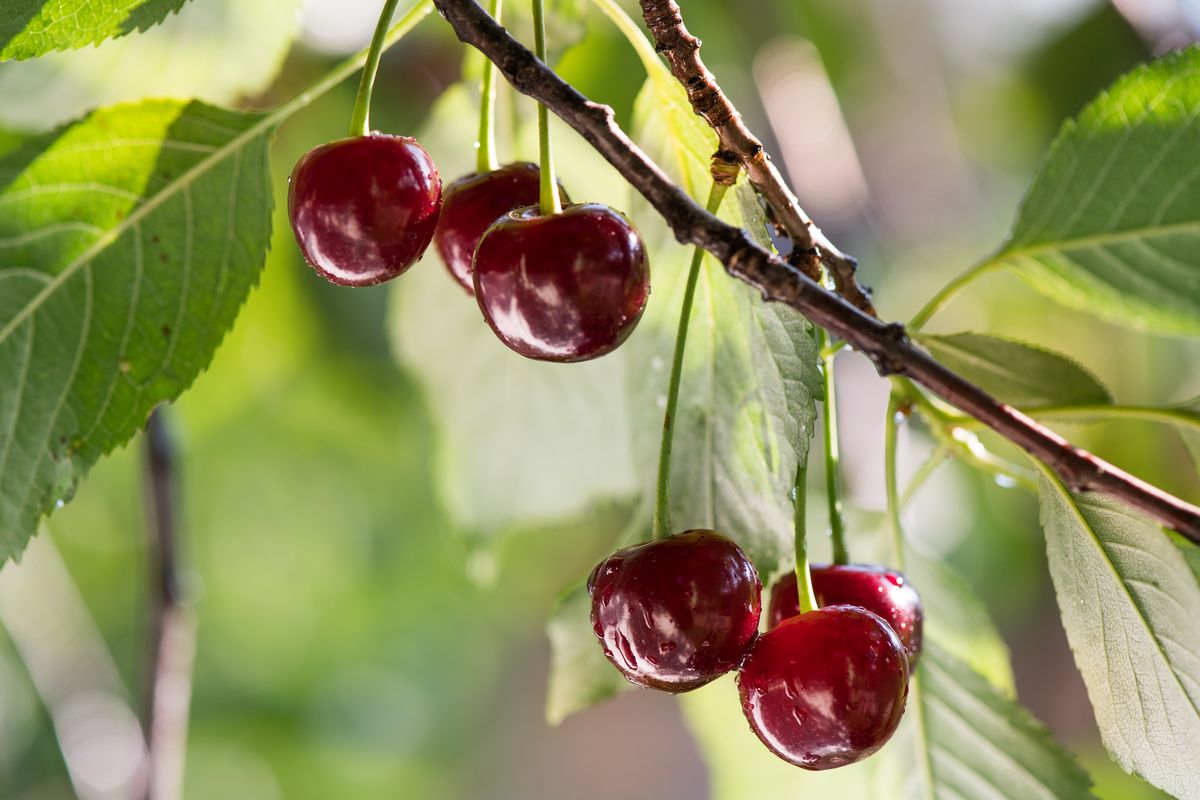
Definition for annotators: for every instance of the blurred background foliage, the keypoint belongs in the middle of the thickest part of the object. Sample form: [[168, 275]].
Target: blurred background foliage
[[363, 631]]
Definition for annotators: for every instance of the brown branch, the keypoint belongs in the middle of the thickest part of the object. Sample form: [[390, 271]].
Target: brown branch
[[887, 344], [811, 247], [172, 641]]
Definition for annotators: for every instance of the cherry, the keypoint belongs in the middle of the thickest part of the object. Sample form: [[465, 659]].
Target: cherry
[[472, 203], [562, 287], [826, 688], [880, 591], [363, 209], [676, 613]]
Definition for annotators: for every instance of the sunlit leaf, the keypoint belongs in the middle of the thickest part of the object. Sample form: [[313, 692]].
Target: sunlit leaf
[[30, 28], [1131, 609], [121, 273], [219, 51], [1112, 221], [1015, 372]]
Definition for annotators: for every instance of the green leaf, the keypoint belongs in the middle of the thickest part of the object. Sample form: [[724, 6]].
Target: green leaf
[[1015, 372], [958, 621], [30, 28], [219, 51], [128, 242], [983, 744], [1131, 609], [980, 745], [1111, 223]]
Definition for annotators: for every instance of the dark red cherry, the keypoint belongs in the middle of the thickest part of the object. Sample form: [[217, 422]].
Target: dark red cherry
[[364, 209], [472, 203], [676, 613], [826, 688], [878, 590], [562, 287]]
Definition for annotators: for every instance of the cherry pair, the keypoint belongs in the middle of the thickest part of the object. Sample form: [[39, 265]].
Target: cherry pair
[[820, 689], [568, 286]]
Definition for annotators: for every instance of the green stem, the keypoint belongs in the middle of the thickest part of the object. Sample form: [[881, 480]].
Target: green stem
[[833, 495], [662, 504], [633, 34], [360, 123], [889, 476], [485, 157], [916, 697], [549, 185], [1092, 413], [806, 599], [946, 427], [930, 465], [834, 349], [940, 299]]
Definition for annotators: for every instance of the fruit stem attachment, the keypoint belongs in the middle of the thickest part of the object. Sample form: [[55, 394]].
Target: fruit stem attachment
[[360, 119], [549, 184], [485, 157], [806, 600], [724, 174], [833, 494]]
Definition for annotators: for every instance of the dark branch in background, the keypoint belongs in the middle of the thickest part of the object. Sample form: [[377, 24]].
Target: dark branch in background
[[810, 247], [887, 344], [172, 636]]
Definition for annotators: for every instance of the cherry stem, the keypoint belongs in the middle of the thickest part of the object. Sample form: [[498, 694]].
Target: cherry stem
[[806, 599], [939, 300], [486, 154], [833, 494], [360, 119], [662, 505], [890, 428], [549, 185]]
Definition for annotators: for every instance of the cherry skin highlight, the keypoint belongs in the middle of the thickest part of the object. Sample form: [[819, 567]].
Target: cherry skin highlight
[[676, 613], [364, 209], [562, 287], [879, 590], [826, 688], [472, 203]]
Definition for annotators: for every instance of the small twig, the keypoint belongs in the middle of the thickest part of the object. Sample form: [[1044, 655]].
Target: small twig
[[811, 248], [887, 344], [172, 639]]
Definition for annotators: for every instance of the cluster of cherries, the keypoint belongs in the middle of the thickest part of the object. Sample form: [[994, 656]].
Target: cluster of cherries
[[563, 286], [821, 689]]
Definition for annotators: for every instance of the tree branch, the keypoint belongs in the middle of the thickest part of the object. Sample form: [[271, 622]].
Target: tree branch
[[172, 641], [887, 344], [811, 247]]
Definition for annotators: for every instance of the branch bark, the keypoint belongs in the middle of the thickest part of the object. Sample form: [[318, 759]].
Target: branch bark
[[887, 344], [172, 640], [811, 248]]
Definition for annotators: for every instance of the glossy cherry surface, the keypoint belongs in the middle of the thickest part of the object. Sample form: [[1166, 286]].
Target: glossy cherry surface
[[879, 590], [562, 287], [826, 688], [472, 203], [674, 614], [364, 209]]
